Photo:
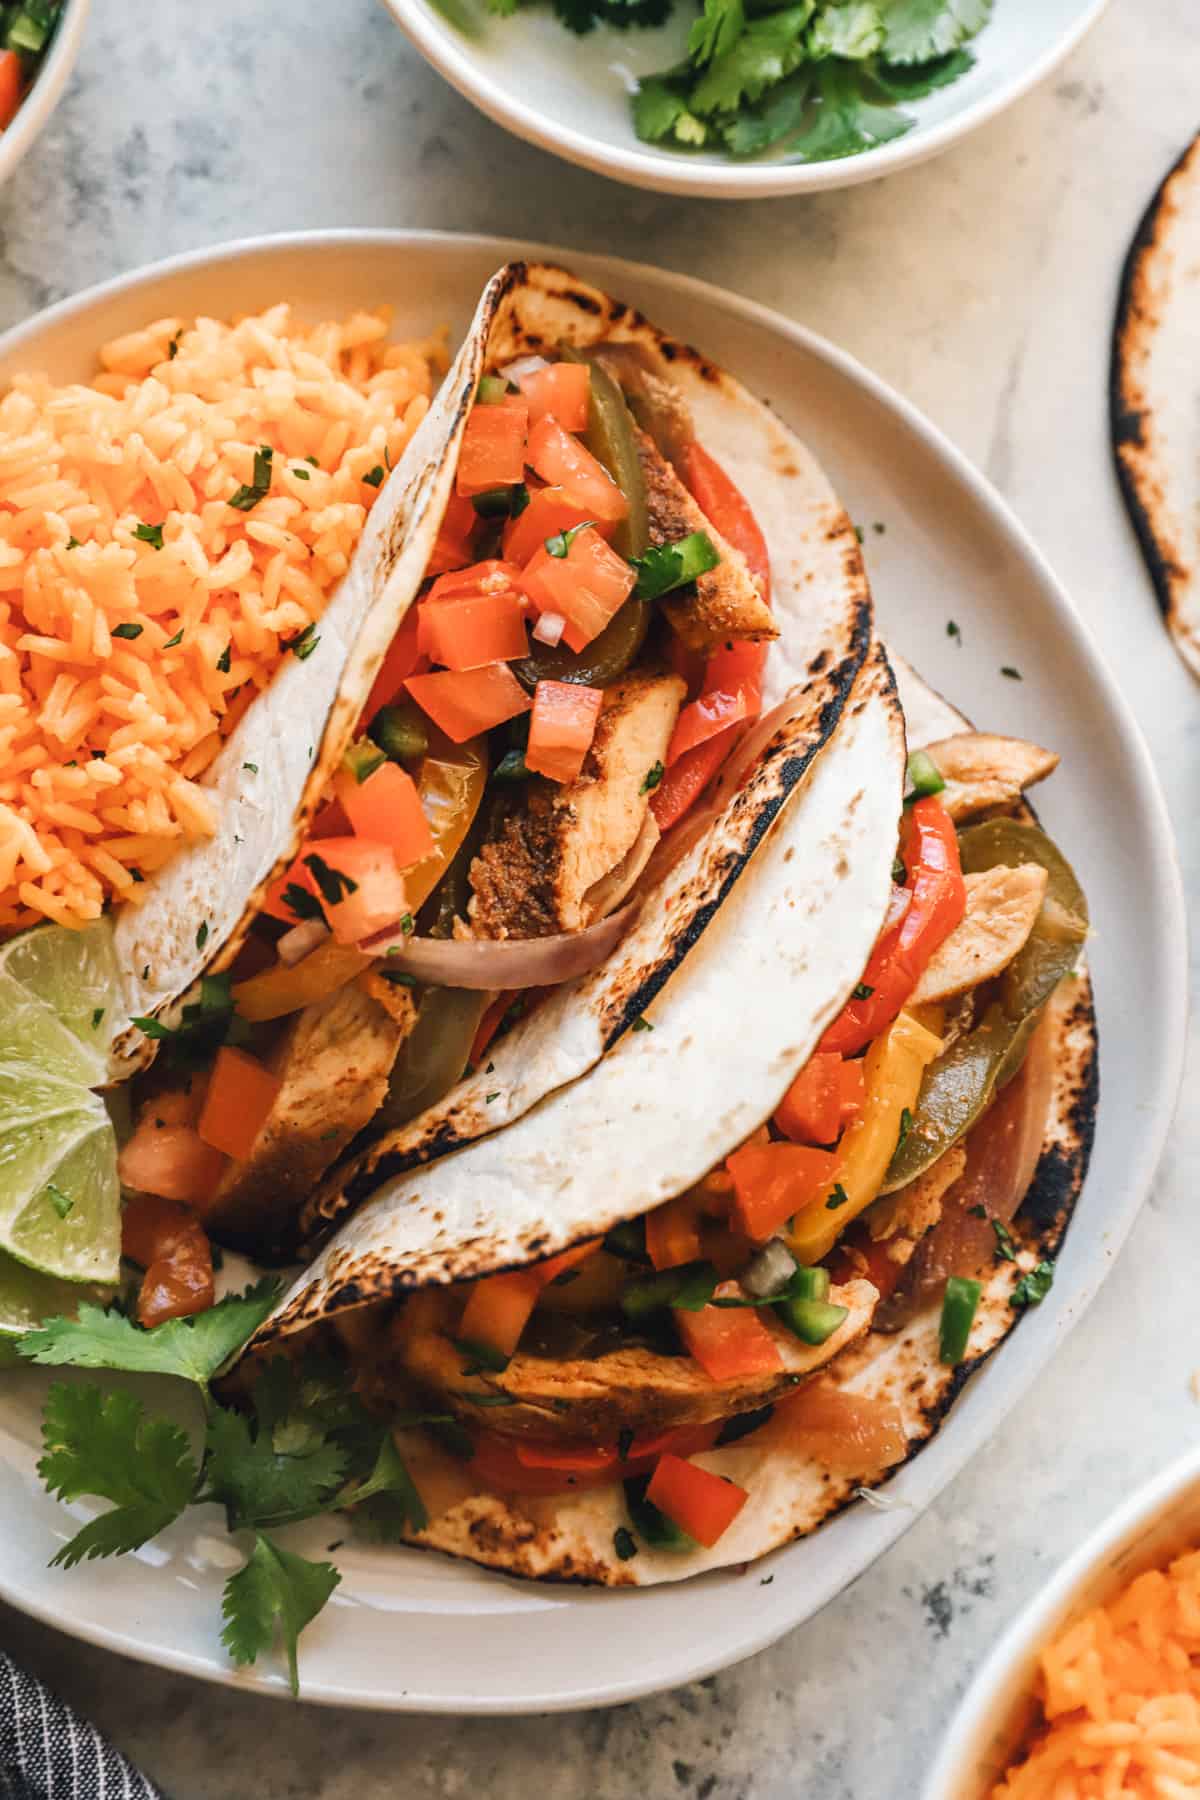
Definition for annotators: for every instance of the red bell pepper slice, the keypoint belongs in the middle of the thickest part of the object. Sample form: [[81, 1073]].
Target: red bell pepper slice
[[811, 1110], [700, 1503], [403, 659], [937, 901], [773, 1181], [724, 503], [682, 786], [728, 1342]]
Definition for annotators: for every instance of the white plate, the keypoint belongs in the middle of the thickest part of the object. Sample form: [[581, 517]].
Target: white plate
[[570, 95], [1160, 1521], [47, 90], [407, 1630]]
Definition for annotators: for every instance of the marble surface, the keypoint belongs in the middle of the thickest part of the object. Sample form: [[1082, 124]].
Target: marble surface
[[982, 285]]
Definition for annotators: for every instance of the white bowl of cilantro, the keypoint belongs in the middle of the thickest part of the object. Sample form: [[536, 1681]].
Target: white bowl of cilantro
[[743, 97], [39, 44]]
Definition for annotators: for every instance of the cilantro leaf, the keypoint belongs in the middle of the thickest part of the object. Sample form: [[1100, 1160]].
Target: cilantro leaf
[[777, 116], [271, 1475], [846, 120], [769, 49], [660, 110], [1033, 1287], [853, 30], [916, 30], [665, 567], [897, 81], [502, 9], [716, 30], [387, 1502], [275, 1591], [103, 1444], [193, 1348]]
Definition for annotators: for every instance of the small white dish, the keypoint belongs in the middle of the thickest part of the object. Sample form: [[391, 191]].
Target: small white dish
[[411, 1631], [47, 89], [992, 1725], [570, 95]]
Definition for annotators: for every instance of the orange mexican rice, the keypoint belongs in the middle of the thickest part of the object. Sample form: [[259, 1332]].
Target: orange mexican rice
[[166, 531], [1120, 1696]]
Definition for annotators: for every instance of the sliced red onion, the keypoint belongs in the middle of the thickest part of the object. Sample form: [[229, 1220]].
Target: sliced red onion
[[523, 365], [295, 944], [549, 628], [484, 963]]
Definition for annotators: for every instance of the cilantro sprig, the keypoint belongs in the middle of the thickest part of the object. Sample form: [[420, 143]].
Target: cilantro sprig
[[814, 80], [304, 1446]]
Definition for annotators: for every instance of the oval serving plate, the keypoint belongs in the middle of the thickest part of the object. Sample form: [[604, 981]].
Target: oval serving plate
[[570, 95], [406, 1630]]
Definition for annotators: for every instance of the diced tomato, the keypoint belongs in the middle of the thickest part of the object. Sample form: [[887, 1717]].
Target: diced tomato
[[587, 586], [811, 1110], [731, 692], [525, 1466], [852, 1090], [773, 1181], [728, 1342], [673, 1233], [492, 576], [331, 821], [699, 1502], [562, 390], [474, 630], [150, 1225], [726, 507], [241, 1093], [402, 660], [562, 461], [11, 88], [493, 449], [371, 887], [562, 728], [550, 511], [683, 785], [851, 1434], [937, 901], [386, 808], [452, 546], [464, 703], [296, 876], [179, 1283], [498, 1311], [172, 1161]]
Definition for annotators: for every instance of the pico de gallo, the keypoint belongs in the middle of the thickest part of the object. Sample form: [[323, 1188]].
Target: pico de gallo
[[25, 34], [888, 1178], [586, 647]]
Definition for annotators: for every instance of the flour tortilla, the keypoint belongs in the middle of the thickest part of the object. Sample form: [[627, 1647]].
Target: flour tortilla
[[1156, 397], [613, 1145], [821, 604]]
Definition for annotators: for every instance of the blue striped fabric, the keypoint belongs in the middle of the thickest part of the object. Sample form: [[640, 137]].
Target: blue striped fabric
[[47, 1752]]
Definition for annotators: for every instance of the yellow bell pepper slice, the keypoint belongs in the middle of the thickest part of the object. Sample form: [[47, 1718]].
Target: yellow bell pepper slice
[[892, 1075], [281, 989]]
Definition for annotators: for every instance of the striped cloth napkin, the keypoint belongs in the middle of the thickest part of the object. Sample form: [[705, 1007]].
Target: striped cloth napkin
[[47, 1752]]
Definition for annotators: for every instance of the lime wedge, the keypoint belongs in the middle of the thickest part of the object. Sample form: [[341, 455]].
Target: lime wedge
[[60, 1200], [27, 1299], [75, 975]]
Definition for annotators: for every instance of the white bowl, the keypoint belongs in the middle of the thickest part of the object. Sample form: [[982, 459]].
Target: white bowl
[[570, 95], [47, 89], [992, 1725]]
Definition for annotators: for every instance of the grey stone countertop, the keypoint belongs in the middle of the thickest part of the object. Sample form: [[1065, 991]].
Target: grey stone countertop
[[982, 286]]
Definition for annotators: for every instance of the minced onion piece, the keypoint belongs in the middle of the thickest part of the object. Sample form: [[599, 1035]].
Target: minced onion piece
[[295, 944], [488, 963], [524, 365], [549, 628], [768, 1271]]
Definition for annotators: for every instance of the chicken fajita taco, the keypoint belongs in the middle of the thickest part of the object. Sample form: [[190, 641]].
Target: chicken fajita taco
[[682, 1310], [530, 786]]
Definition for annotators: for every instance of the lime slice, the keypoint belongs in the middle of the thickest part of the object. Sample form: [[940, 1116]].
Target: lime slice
[[75, 975], [27, 1299], [59, 1195]]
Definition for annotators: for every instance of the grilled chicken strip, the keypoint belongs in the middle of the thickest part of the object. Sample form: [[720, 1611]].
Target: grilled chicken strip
[[982, 771], [725, 603], [1002, 905], [333, 1059], [596, 1398], [552, 863]]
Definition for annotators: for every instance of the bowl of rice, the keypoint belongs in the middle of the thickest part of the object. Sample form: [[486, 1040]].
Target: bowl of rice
[[1094, 1691], [173, 523]]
